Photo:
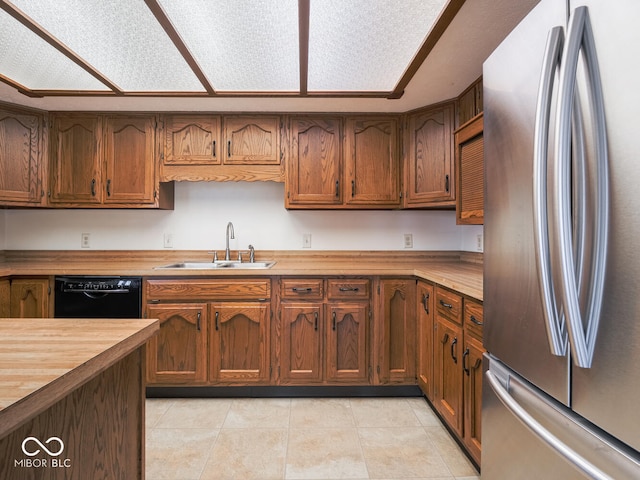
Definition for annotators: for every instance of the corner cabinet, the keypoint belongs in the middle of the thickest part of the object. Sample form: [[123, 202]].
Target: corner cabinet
[[429, 168], [22, 140], [105, 160]]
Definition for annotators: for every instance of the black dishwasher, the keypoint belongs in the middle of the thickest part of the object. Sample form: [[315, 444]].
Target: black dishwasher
[[98, 297]]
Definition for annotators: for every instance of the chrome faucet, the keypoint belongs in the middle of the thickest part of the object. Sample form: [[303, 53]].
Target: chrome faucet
[[227, 253]]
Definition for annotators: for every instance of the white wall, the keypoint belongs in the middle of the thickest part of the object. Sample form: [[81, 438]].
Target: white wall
[[257, 211]]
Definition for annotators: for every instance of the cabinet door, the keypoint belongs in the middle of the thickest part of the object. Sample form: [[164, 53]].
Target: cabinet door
[[76, 159], [177, 354], [20, 157], [430, 180], [469, 157], [346, 349], [372, 163], [424, 314], [30, 298], [5, 299], [130, 159], [315, 164], [397, 327], [472, 366], [448, 373], [252, 140], [192, 140], [238, 342], [301, 348]]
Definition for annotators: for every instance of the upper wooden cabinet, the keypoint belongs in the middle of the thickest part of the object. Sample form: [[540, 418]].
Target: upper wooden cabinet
[[192, 140], [429, 180], [329, 167], [251, 140], [105, 160], [314, 169], [469, 144], [470, 102], [204, 147], [21, 161], [372, 162]]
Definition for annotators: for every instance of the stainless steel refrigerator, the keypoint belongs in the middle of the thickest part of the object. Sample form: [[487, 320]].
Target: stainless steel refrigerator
[[561, 396]]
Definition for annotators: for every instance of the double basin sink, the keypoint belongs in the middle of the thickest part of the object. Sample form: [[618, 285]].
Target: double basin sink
[[220, 264]]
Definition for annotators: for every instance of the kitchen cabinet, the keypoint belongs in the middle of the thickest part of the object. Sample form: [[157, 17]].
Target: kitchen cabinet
[[469, 157], [472, 386], [314, 169], [395, 337], [177, 354], [372, 162], [343, 163], [22, 167], [448, 341], [5, 298], [429, 180], [470, 102], [105, 160], [324, 333], [239, 342], [425, 327], [195, 149], [218, 332], [30, 298]]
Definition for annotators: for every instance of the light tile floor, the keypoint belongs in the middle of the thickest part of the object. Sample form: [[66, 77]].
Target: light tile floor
[[300, 438]]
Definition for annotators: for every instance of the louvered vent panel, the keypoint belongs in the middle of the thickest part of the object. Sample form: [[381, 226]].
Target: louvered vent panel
[[472, 177]]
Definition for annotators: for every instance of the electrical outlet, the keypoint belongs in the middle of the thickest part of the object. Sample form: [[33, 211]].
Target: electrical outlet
[[306, 240], [408, 240], [85, 240], [479, 245], [168, 240]]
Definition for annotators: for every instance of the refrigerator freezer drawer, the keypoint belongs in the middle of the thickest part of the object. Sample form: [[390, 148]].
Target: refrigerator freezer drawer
[[527, 434]]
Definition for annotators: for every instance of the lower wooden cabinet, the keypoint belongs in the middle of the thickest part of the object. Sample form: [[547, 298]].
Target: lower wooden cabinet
[[346, 349], [396, 331], [177, 355], [301, 342], [425, 326], [239, 342], [5, 298], [30, 298], [448, 377]]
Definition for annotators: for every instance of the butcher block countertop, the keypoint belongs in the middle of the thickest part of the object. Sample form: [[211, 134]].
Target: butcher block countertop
[[44, 360], [460, 271]]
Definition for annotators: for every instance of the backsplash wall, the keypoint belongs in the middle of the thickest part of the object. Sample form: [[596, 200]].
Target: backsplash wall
[[257, 211]]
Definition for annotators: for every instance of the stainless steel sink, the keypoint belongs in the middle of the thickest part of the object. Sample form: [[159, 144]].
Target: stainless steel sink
[[233, 264]]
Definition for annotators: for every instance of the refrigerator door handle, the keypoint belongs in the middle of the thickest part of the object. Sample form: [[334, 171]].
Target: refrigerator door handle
[[555, 325], [580, 37], [538, 429]]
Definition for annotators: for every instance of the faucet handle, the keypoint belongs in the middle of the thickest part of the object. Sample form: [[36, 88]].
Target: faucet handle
[[252, 254], [240, 256]]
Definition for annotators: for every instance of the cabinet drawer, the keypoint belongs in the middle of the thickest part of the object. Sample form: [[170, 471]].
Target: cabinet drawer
[[473, 318], [348, 288], [301, 288], [209, 289], [449, 305]]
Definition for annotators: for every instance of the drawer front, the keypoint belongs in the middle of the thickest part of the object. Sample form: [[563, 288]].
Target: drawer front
[[449, 305], [348, 288], [302, 288], [473, 318], [209, 289]]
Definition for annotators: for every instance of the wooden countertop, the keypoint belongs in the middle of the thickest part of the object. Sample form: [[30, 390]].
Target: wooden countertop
[[43, 360], [461, 271]]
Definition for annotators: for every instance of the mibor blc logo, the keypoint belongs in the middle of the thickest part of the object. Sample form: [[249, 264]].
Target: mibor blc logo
[[48, 452]]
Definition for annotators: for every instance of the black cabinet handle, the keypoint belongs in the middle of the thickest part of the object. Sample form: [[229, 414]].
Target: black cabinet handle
[[334, 321], [464, 362], [198, 321], [448, 305], [315, 324], [217, 321], [108, 187], [476, 321], [93, 187], [302, 290], [453, 346], [229, 149], [349, 289], [337, 188], [213, 147], [353, 188], [446, 183], [425, 302]]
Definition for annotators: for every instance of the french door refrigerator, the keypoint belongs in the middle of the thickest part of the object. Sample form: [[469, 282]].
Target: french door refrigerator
[[561, 396]]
